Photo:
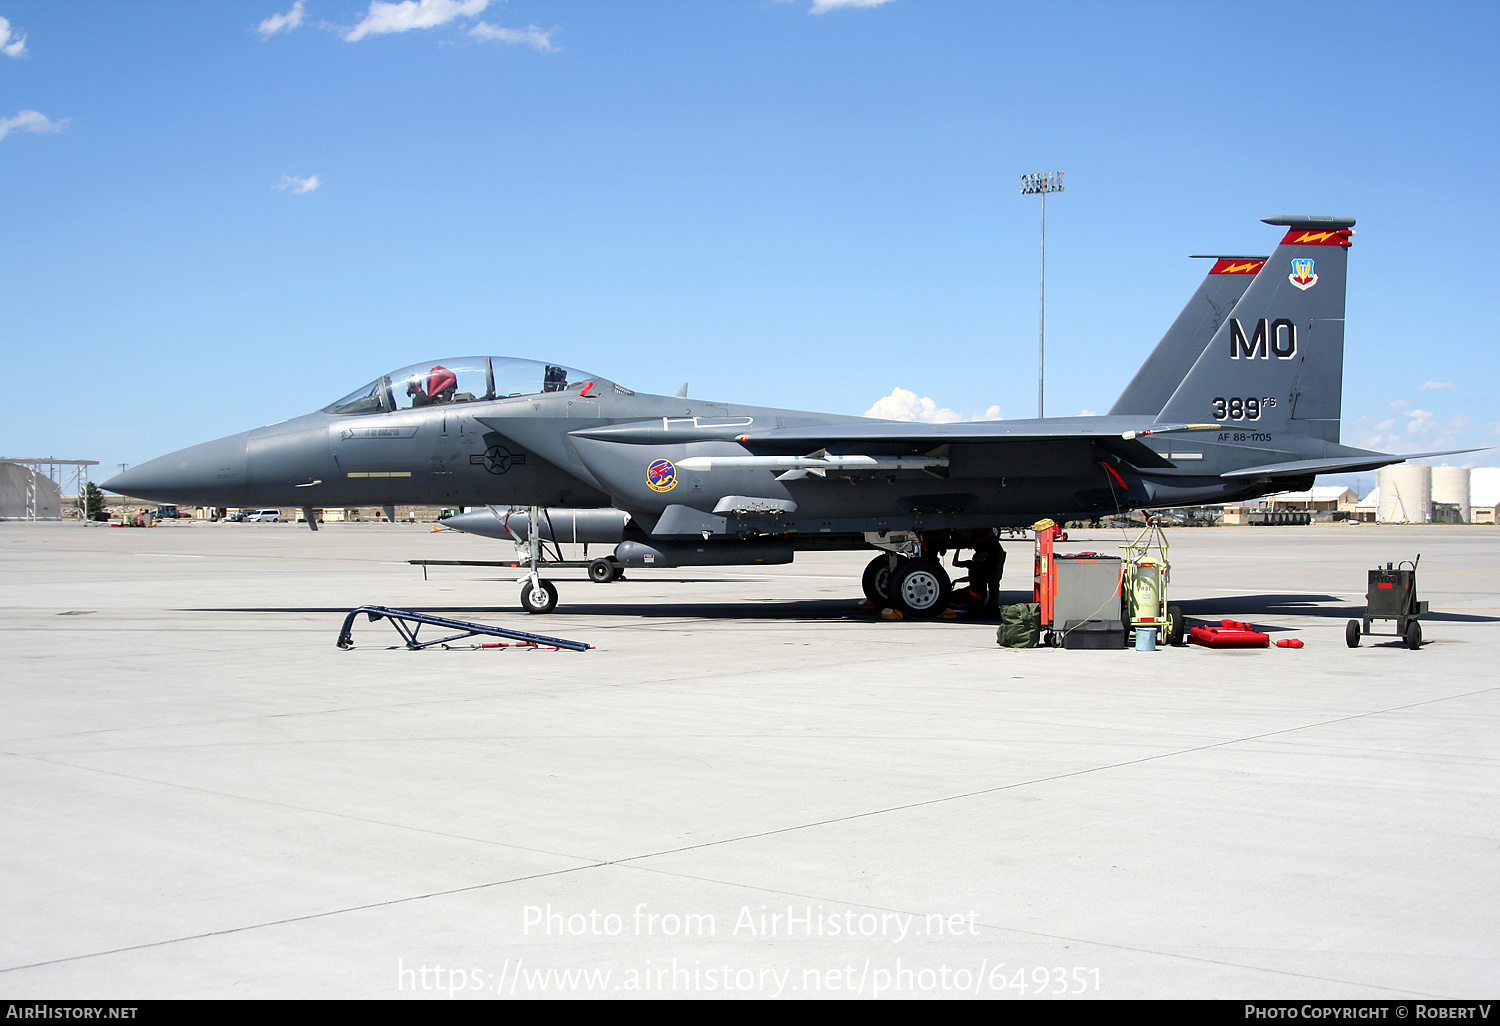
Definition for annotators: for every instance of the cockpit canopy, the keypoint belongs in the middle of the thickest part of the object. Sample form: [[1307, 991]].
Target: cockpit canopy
[[464, 379]]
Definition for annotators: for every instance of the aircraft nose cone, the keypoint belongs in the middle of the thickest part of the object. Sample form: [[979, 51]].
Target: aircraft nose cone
[[211, 474]]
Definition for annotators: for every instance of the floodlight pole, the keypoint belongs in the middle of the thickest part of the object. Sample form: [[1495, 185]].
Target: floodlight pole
[[1040, 185]]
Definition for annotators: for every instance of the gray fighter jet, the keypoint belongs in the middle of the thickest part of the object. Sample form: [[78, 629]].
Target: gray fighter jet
[[1226, 408]]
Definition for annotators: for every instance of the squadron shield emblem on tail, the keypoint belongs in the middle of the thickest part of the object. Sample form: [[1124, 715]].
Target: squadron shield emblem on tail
[[1302, 274]]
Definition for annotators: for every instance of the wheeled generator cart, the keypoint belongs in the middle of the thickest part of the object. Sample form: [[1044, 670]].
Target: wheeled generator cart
[[1078, 594], [1391, 595]]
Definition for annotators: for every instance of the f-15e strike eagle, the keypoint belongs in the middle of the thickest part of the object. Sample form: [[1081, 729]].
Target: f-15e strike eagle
[[1240, 398]]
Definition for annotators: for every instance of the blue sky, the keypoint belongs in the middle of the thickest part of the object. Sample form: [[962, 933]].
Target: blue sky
[[219, 215]]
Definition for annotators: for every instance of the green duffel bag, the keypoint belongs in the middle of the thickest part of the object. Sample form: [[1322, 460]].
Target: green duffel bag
[[1020, 625]]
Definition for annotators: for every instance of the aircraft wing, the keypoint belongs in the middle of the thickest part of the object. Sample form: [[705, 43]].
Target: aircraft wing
[[1116, 436], [972, 444], [1120, 436]]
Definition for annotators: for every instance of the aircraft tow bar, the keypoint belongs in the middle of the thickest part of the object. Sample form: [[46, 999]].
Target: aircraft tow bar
[[408, 623]]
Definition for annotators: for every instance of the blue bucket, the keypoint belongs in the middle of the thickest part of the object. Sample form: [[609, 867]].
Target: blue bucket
[[1145, 639]]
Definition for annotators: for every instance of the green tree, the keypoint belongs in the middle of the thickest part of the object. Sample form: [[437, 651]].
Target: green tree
[[93, 499]]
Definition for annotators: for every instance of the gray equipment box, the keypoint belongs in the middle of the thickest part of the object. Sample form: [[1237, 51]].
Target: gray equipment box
[[1088, 588]]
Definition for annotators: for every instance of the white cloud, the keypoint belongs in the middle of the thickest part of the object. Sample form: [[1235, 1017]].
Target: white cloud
[[1398, 404], [1425, 422], [1425, 429], [529, 36], [297, 185], [30, 121], [383, 17], [904, 404], [11, 47], [1420, 422], [281, 22], [1433, 386], [824, 6]]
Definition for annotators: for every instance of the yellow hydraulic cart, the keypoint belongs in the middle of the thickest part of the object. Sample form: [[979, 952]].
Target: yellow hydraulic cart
[[1144, 586]]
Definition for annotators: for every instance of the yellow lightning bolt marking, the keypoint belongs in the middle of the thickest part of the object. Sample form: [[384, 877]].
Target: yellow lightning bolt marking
[[1309, 237], [1253, 265]]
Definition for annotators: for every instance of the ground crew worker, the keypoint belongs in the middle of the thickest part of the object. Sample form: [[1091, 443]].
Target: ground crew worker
[[984, 572]]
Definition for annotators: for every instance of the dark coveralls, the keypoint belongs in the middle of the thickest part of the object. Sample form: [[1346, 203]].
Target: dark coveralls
[[984, 572]]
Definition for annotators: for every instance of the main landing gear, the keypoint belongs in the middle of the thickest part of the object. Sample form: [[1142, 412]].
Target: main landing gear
[[605, 569], [916, 587]]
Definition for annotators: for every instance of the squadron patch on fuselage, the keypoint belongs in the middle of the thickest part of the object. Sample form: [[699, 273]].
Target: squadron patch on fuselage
[[661, 476]]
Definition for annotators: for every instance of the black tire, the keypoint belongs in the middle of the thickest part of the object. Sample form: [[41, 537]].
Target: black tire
[[541, 599], [1352, 634], [1176, 626], [1414, 635], [877, 581], [920, 589], [602, 571]]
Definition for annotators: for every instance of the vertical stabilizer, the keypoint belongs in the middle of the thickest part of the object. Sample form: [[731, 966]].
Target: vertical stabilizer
[[1179, 348], [1276, 365]]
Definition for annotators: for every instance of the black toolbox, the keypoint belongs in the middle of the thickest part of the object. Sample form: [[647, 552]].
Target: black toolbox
[[1085, 634]]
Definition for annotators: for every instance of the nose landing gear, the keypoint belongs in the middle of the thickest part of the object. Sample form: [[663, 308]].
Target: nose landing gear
[[538, 596]]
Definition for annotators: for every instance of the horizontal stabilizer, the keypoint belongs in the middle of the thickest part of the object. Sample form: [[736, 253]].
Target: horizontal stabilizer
[[1347, 464]]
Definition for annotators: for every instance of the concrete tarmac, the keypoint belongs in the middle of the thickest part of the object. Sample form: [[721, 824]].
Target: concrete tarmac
[[748, 788]]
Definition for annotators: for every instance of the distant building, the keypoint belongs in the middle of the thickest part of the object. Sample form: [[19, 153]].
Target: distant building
[[1322, 499], [1328, 500], [1423, 499], [27, 495], [1484, 494]]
